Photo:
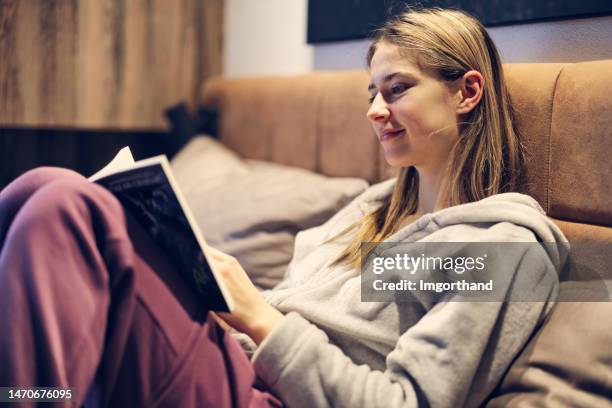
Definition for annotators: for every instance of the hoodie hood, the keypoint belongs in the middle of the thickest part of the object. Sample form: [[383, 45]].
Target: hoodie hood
[[506, 211]]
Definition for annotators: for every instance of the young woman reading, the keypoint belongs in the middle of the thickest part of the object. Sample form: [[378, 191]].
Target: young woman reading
[[84, 305]]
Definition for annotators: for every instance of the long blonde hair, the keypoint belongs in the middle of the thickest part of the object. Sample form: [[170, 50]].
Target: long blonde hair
[[487, 158]]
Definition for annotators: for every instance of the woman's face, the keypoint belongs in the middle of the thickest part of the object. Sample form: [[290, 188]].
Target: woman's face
[[413, 113]]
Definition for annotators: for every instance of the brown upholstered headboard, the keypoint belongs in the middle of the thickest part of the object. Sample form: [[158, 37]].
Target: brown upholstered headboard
[[317, 121]]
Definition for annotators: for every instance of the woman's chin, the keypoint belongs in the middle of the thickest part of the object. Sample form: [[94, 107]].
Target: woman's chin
[[395, 160]]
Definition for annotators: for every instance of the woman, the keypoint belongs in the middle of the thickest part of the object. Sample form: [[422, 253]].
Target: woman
[[441, 111]]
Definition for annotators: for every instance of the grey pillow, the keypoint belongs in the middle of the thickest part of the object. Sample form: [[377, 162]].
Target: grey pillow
[[253, 209]]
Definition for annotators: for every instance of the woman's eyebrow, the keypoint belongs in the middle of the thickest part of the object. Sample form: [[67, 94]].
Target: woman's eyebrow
[[389, 77]]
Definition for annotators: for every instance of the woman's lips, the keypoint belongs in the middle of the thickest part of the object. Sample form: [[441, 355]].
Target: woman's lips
[[390, 134]]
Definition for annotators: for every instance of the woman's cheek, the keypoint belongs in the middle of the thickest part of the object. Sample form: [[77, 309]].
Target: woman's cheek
[[433, 122]]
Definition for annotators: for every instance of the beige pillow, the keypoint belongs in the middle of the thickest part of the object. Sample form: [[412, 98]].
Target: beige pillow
[[253, 209]]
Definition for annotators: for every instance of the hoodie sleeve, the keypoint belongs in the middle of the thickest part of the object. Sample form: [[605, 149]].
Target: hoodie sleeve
[[454, 356]]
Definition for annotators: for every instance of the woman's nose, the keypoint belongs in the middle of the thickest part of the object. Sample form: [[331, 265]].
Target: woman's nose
[[379, 111]]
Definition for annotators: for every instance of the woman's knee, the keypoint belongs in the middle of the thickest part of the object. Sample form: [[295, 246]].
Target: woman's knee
[[46, 174], [15, 196], [67, 197], [26, 184]]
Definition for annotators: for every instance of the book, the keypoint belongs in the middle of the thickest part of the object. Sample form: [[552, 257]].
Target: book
[[149, 192]]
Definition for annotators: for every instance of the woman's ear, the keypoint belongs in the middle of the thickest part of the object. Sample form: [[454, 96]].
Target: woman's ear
[[472, 86]]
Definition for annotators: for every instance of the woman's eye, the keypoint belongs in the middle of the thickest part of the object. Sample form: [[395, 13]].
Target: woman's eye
[[389, 93], [398, 88]]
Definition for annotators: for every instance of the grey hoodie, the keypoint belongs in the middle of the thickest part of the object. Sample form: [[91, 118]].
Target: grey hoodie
[[333, 350]]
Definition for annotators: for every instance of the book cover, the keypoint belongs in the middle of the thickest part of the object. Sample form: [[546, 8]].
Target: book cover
[[148, 191]]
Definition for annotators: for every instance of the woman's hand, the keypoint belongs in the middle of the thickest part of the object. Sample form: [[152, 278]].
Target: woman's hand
[[252, 314]]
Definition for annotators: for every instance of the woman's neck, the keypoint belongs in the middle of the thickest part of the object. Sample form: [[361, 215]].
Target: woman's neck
[[432, 192]]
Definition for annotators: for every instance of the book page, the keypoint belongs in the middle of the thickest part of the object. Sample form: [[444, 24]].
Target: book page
[[122, 160]]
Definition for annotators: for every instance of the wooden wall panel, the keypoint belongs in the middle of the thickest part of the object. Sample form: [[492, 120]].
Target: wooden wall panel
[[112, 64], [79, 150]]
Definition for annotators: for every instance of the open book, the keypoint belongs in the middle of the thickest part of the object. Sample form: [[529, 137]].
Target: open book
[[148, 191]]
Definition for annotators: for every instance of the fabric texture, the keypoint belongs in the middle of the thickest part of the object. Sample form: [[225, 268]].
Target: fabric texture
[[82, 307], [321, 127], [580, 145], [253, 210], [331, 349], [580, 333]]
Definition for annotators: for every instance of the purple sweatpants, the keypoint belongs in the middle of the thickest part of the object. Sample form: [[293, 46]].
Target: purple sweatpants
[[88, 303]]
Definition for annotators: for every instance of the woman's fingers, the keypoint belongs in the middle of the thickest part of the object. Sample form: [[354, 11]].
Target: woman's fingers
[[251, 314], [220, 321]]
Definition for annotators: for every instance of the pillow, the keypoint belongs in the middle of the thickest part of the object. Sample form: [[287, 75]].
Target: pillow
[[567, 363], [253, 209]]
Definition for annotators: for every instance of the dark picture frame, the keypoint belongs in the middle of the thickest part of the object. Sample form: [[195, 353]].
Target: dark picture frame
[[338, 20]]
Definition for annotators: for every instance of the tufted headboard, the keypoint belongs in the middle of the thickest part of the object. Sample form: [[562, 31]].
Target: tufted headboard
[[317, 121]]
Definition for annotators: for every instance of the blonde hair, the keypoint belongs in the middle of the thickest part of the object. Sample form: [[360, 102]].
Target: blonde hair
[[487, 158]]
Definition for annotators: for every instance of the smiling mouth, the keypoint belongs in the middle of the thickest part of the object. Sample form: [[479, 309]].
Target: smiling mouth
[[388, 135]]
